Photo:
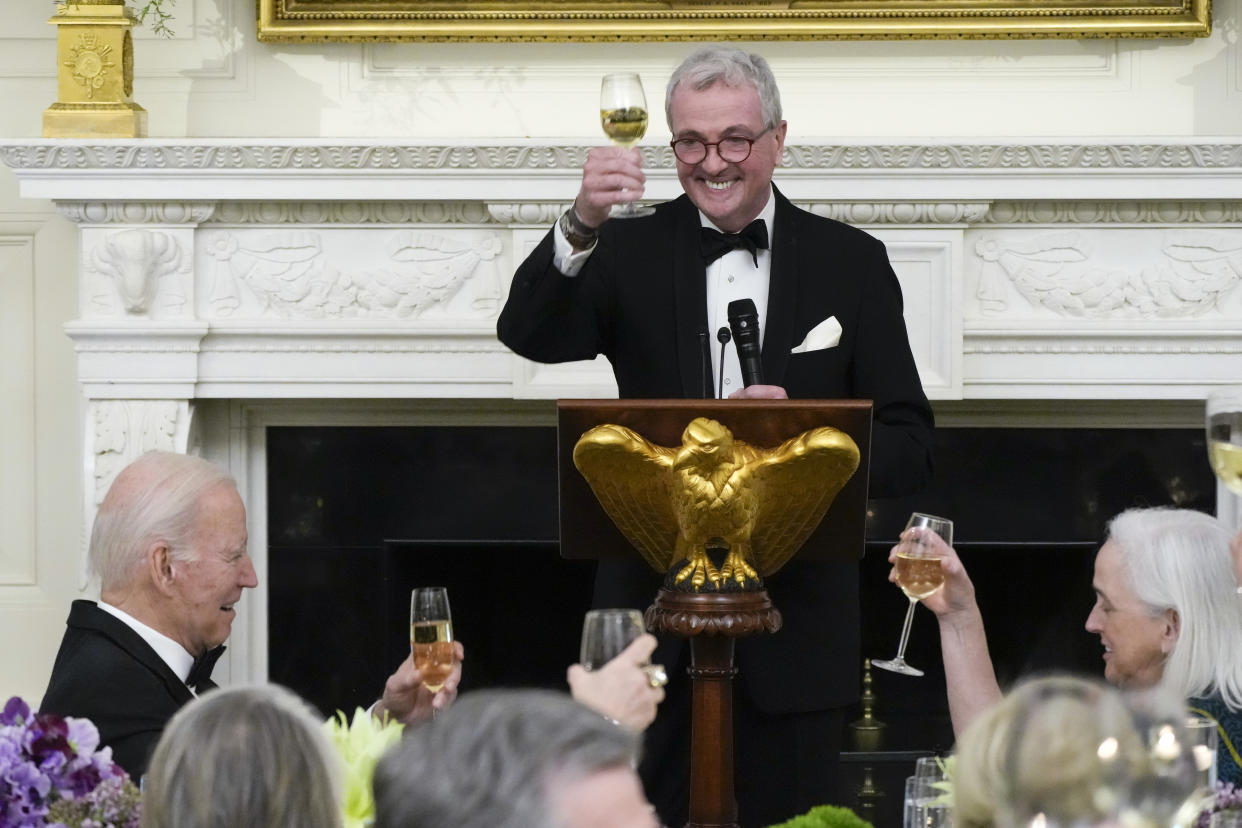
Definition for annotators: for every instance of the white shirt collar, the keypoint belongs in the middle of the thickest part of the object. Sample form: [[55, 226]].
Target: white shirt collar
[[173, 654]]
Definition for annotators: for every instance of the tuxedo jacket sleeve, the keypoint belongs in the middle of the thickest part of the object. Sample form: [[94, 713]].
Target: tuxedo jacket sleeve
[[105, 672], [641, 301]]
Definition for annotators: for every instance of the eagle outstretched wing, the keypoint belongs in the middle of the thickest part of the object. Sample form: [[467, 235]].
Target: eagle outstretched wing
[[796, 483], [631, 478]]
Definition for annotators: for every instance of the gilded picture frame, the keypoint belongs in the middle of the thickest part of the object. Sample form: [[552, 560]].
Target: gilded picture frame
[[654, 20]]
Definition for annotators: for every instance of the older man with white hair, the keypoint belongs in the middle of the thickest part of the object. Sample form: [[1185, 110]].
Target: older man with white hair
[[169, 545]]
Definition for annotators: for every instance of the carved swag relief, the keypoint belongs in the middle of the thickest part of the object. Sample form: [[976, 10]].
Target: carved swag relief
[[289, 274], [1197, 270]]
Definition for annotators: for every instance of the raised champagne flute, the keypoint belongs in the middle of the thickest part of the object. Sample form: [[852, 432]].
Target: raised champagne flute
[[431, 635], [919, 575], [606, 632], [1224, 436], [623, 114]]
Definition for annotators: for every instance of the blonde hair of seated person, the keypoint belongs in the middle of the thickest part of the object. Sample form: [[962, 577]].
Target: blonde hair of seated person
[[243, 756], [1037, 751]]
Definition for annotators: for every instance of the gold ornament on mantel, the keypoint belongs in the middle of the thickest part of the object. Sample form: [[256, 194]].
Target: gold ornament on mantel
[[713, 492], [95, 76]]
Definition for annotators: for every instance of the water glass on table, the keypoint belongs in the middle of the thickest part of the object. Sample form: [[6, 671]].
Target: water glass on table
[[924, 806], [1202, 737]]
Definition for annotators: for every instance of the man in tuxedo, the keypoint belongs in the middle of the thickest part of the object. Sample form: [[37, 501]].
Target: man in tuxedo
[[169, 544], [650, 293]]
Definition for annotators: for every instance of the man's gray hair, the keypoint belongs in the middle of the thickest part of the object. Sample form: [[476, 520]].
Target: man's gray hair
[[493, 759], [733, 67], [1179, 559], [154, 498], [243, 756]]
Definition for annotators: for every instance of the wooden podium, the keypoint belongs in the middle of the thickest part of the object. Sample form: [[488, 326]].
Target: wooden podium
[[711, 620]]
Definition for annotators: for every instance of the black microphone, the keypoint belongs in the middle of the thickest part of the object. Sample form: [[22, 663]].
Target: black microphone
[[723, 337], [744, 321]]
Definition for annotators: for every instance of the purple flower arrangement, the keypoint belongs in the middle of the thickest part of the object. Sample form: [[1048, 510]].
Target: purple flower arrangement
[[1225, 797], [54, 775]]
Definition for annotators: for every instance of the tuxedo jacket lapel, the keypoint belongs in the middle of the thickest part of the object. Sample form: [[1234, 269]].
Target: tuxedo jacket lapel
[[778, 326], [690, 294], [88, 616]]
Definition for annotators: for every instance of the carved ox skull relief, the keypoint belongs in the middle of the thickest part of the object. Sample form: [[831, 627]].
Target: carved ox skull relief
[[135, 260]]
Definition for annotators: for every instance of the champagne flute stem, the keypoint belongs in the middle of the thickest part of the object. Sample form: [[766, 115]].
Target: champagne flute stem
[[905, 631]]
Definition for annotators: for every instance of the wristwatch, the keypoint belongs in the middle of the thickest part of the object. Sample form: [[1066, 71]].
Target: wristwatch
[[579, 235]]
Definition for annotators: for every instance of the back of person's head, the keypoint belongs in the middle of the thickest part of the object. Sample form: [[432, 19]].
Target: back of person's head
[[495, 759], [1038, 751], [732, 67], [243, 756], [1179, 559], [154, 498]]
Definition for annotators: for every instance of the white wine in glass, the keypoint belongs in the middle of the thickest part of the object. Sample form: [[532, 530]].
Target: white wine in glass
[[919, 574], [1224, 436], [623, 115], [431, 635]]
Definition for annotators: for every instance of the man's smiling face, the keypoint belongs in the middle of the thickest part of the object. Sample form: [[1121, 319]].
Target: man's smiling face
[[731, 195], [210, 583]]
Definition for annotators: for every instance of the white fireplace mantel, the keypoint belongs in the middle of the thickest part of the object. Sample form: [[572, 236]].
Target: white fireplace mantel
[[294, 277], [361, 269]]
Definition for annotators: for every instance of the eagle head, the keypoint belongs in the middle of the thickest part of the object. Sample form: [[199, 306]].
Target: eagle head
[[704, 443]]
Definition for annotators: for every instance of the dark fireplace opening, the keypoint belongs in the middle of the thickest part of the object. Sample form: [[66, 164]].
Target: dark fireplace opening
[[360, 515]]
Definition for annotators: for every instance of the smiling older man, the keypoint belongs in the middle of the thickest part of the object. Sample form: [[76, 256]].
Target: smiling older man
[[169, 544]]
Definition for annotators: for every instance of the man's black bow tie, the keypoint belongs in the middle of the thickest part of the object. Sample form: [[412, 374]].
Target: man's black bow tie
[[200, 674], [714, 244]]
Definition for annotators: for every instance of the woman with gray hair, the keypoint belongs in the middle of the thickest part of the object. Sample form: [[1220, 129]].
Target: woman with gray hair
[[1167, 613], [243, 756]]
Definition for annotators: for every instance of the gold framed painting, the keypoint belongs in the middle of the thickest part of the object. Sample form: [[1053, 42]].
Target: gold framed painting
[[653, 20]]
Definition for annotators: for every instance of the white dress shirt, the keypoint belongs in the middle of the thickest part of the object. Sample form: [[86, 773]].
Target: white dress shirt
[[173, 654], [733, 276]]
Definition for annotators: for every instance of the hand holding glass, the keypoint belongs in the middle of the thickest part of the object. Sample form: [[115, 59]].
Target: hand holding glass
[[606, 632], [918, 574], [623, 115], [431, 635]]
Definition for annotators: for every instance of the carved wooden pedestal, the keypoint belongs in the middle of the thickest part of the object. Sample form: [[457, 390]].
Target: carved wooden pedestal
[[711, 621]]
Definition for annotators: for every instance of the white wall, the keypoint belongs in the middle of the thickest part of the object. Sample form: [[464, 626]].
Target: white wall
[[214, 80]]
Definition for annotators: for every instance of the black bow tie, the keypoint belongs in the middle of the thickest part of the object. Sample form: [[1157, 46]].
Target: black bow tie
[[200, 674], [714, 244]]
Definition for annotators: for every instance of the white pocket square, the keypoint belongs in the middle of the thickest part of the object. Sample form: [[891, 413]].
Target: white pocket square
[[824, 335]]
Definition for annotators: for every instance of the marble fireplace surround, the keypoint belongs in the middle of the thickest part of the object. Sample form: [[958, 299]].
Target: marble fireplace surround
[[229, 285]]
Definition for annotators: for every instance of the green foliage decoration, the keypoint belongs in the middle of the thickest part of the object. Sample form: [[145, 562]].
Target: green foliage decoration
[[826, 816]]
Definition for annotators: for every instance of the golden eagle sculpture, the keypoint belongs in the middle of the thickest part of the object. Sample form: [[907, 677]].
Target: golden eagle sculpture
[[714, 492]]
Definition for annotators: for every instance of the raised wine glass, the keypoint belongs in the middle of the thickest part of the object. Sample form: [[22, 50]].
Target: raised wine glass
[[919, 575], [623, 114], [606, 632], [1224, 435], [431, 635]]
